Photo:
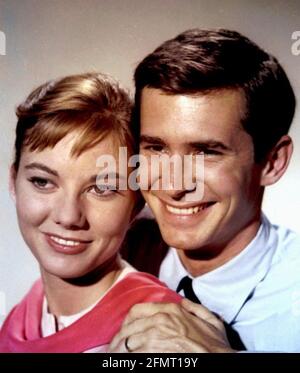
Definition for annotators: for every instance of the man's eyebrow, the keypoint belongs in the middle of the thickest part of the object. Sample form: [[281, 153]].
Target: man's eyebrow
[[151, 139], [211, 144], [194, 144], [42, 167]]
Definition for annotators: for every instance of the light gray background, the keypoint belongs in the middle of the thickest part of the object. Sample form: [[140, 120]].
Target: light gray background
[[47, 39]]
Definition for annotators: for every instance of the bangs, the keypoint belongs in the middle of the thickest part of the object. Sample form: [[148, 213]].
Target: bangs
[[92, 105], [91, 129]]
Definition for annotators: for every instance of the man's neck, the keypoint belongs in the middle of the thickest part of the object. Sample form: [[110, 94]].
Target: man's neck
[[198, 263]]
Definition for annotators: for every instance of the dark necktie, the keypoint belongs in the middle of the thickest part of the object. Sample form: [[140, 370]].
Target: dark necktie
[[234, 339]]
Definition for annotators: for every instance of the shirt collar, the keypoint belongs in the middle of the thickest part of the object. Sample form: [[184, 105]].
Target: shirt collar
[[225, 289]]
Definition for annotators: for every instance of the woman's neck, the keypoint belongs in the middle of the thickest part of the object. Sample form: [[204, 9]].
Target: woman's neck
[[70, 296]]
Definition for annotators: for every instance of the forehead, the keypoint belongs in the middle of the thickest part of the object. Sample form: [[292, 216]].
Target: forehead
[[188, 118], [62, 154]]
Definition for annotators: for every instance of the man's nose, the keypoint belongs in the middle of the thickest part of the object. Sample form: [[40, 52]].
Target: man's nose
[[178, 194], [176, 186]]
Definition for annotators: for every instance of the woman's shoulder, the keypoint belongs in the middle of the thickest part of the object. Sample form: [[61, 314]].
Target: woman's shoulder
[[141, 287]]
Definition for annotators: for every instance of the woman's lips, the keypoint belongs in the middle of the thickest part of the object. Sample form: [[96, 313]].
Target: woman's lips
[[69, 246]]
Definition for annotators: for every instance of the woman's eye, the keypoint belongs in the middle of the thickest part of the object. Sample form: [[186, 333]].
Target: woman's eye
[[103, 190], [41, 183]]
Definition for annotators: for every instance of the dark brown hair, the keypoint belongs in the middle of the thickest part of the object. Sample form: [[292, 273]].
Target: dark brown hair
[[201, 61]]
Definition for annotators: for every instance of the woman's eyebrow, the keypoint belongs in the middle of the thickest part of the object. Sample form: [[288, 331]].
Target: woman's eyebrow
[[42, 167], [107, 176]]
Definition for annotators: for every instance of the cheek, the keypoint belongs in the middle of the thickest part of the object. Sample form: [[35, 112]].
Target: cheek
[[225, 180], [110, 219], [31, 210]]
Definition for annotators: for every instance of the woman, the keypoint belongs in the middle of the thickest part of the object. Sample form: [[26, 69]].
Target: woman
[[73, 224]]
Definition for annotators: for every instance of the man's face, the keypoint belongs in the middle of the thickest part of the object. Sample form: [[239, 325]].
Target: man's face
[[209, 125]]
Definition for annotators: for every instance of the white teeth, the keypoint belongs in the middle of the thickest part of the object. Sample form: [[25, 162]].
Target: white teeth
[[64, 242], [188, 211]]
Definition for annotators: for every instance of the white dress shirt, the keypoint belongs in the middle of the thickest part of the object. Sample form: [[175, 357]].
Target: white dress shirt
[[258, 291]]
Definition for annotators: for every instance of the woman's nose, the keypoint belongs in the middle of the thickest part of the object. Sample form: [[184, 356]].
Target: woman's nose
[[69, 212]]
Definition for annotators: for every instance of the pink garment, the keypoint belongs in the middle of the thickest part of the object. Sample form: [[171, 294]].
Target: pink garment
[[21, 329]]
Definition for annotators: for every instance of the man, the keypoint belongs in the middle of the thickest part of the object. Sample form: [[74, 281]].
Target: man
[[216, 93]]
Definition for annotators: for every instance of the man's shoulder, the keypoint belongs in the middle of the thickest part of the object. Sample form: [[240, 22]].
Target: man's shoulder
[[287, 242], [144, 247], [283, 273]]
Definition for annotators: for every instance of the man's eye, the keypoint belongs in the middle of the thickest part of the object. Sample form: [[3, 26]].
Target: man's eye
[[40, 182], [208, 152], [153, 148]]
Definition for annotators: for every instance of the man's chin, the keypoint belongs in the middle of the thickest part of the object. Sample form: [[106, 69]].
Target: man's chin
[[179, 241]]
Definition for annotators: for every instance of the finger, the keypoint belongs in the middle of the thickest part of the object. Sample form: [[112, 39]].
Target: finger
[[152, 340], [142, 326], [201, 312], [136, 341], [144, 310], [127, 331], [120, 347], [197, 309], [167, 345]]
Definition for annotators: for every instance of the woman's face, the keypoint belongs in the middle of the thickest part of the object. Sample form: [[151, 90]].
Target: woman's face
[[70, 225]]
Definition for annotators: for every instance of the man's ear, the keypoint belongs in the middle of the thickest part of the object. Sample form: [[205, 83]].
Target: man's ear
[[277, 161], [12, 182]]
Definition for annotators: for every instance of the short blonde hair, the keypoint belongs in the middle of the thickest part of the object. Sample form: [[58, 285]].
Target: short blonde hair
[[93, 104]]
